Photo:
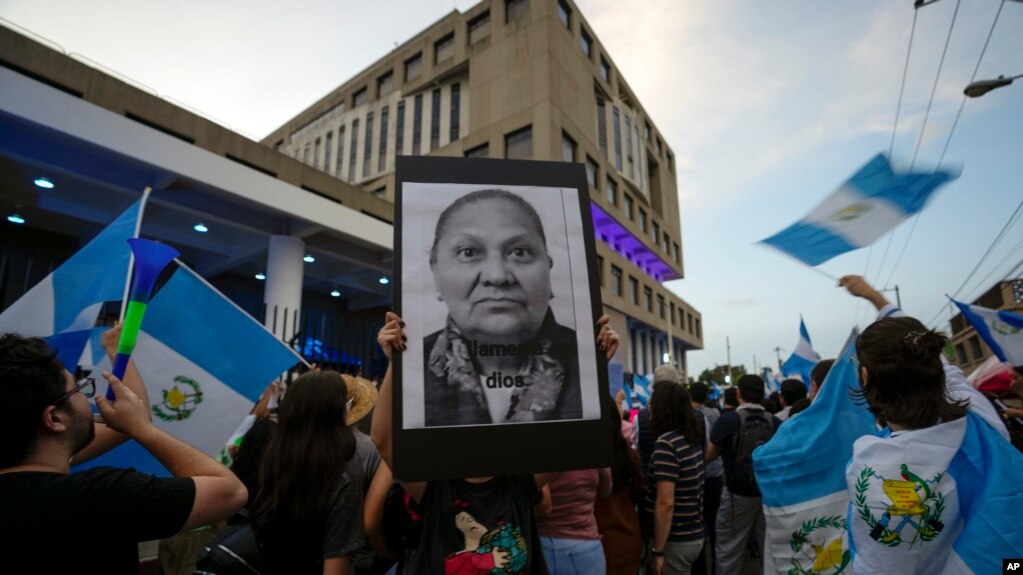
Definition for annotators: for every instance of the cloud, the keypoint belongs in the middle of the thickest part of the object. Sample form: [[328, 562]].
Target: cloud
[[740, 302]]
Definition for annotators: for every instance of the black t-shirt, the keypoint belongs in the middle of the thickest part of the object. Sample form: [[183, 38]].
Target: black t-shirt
[[480, 528], [88, 522], [724, 430]]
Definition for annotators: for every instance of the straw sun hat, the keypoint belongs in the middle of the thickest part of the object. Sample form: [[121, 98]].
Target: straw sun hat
[[362, 396]]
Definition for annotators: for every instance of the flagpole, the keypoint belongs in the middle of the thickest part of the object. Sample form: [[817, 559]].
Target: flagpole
[[823, 273], [131, 257], [195, 274]]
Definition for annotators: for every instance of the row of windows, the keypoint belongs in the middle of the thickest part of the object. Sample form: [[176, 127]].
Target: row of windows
[[518, 145], [312, 153], [662, 240], [686, 322]]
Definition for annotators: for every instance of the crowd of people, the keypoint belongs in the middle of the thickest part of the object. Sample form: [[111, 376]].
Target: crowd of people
[[307, 492]]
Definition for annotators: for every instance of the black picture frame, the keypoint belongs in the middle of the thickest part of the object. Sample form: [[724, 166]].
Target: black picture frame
[[448, 452]]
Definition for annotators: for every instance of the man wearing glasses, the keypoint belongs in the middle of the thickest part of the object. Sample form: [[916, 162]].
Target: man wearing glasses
[[54, 521]]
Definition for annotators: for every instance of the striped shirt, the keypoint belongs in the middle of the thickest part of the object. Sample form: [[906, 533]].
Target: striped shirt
[[676, 461]]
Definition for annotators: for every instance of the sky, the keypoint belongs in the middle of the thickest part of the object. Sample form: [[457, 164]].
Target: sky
[[769, 107]]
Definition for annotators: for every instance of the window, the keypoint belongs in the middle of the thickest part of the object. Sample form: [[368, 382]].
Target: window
[[961, 354], [586, 43], [691, 324], [667, 243], [633, 290], [975, 347], [682, 318], [674, 246], [382, 152], [399, 130], [628, 205], [316, 154], [455, 111], [367, 151], [605, 70], [658, 145], [340, 151], [327, 145], [618, 138], [417, 124], [699, 333], [642, 220], [602, 126], [660, 305], [307, 155], [672, 306], [513, 9], [444, 48], [354, 148], [435, 119], [671, 163], [385, 83], [646, 130], [359, 98], [628, 146], [518, 145], [564, 14], [600, 270], [616, 280], [414, 67], [567, 148], [591, 172], [648, 299], [612, 192], [479, 27], [481, 151], [657, 232]]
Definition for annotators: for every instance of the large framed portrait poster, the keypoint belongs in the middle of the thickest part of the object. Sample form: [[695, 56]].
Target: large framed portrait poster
[[497, 284]]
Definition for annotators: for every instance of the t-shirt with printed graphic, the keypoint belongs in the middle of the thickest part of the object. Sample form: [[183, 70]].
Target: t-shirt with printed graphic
[[480, 528]]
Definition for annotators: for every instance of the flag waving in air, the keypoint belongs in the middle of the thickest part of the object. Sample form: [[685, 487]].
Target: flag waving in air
[[874, 200], [205, 362], [803, 358], [1002, 331]]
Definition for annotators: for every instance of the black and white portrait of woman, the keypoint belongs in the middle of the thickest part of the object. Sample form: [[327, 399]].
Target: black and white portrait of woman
[[495, 293]]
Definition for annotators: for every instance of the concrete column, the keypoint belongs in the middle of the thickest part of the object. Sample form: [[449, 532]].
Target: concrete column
[[283, 290]]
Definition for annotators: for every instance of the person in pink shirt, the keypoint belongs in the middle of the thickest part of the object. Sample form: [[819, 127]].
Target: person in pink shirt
[[568, 532]]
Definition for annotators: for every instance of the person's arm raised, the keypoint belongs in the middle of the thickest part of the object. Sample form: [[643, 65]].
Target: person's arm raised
[[859, 287], [391, 338], [218, 493]]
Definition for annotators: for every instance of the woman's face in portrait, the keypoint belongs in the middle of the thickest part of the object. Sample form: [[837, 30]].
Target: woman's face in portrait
[[493, 272]]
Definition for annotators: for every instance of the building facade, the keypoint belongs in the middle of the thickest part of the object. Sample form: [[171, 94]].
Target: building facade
[[524, 79], [968, 349]]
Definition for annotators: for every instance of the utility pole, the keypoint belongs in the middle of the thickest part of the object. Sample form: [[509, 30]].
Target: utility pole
[[777, 351], [728, 348], [898, 298]]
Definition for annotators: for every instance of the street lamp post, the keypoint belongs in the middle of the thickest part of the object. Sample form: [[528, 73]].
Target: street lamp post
[[981, 87]]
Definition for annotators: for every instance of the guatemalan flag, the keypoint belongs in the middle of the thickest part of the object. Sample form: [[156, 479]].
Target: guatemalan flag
[[803, 358], [801, 475], [874, 200], [943, 499], [62, 308], [205, 362], [1002, 331]]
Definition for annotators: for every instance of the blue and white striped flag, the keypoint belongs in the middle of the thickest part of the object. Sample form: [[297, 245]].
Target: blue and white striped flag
[[801, 475], [205, 362], [63, 306], [641, 390], [803, 358], [943, 499], [874, 200], [772, 380], [1002, 331]]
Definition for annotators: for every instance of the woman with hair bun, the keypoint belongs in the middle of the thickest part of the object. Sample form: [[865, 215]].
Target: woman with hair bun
[[936, 480]]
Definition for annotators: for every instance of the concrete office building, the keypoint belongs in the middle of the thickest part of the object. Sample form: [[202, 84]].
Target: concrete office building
[[523, 79]]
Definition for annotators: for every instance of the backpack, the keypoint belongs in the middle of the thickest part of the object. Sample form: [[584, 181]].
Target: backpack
[[236, 550], [755, 429]]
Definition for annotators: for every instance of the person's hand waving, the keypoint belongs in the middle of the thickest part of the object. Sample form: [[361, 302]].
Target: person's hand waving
[[607, 338], [392, 335]]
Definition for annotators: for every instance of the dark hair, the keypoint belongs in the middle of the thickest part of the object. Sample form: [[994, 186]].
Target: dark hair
[[698, 390], [621, 465], [303, 464], [770, 405], [477, 196], [820, 371], [905, 382], [751, 387], [250, 454], [792, 390], [671, 410], [800, 404], [31, 378], [731, 397]]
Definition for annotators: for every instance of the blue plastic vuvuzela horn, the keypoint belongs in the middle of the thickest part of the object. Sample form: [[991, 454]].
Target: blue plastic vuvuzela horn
[[150, 259]]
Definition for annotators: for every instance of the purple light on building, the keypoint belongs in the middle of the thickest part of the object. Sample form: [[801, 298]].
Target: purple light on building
[[621, 240]]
